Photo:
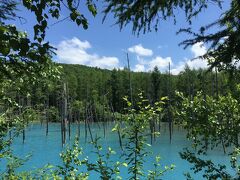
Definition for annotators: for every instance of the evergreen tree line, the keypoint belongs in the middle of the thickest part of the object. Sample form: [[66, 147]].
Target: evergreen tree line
[[104, 90]]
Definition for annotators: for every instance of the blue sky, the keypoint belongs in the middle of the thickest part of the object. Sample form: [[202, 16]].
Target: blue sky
[[105, 46]]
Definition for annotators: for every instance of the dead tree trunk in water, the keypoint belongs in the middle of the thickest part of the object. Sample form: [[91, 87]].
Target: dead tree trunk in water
[[203, 87], [69, 124], [78, 116], [119, 133], [159, 122], [85, 122], [96, 115], [20, 101], [69, 114], [89, 116], [151, 130], [60, 106], [22, 105], [216, 80], [169, 104], [103, 121], [130, 81], [64, 114], [217, 96], [47, 113]]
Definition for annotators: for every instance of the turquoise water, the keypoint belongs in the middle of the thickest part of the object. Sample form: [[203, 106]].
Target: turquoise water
[[46, 149]]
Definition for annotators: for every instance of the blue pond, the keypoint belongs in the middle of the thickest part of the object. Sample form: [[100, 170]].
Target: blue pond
[[45, 149]]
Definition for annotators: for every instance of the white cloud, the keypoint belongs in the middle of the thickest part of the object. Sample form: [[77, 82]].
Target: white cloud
[[74, 51], [140, 50], [197, 63], [105, 62], [162, 46], [193, 64], [77, 43], [160, 62], [141, 60], [163, 62], [236, 63], [198, 49], [177, 69], [148, 65], [139, 68]]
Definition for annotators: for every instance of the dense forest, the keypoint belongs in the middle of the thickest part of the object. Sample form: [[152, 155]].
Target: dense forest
[[109, 87], [86, 82]]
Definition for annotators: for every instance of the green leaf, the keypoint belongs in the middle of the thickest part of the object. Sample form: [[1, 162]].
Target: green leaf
[[3, 29], [73, 15], [92, 9], [78, 21], [125, 164], [5, 51]]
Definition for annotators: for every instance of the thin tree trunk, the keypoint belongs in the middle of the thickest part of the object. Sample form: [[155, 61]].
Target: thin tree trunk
[[69, 124], [119, 133], [64, 114], [169, 105], [47, 115], [104, 127], [78, 121], [85, 121], [130, 81]]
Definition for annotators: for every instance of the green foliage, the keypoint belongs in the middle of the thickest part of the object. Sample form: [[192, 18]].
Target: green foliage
[[7, 8], [44, 10], [9, 122], [155, 82], [135, 134], [30, 115], [158, 172], [146, 15], [224, 43], [53, 114], [211, 122], [114, 89], [45, 172], [212, 171], [13, 162], [107, 168], [71, 163], [20, 57], [106, 87], [25, 63], [13, 122]]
